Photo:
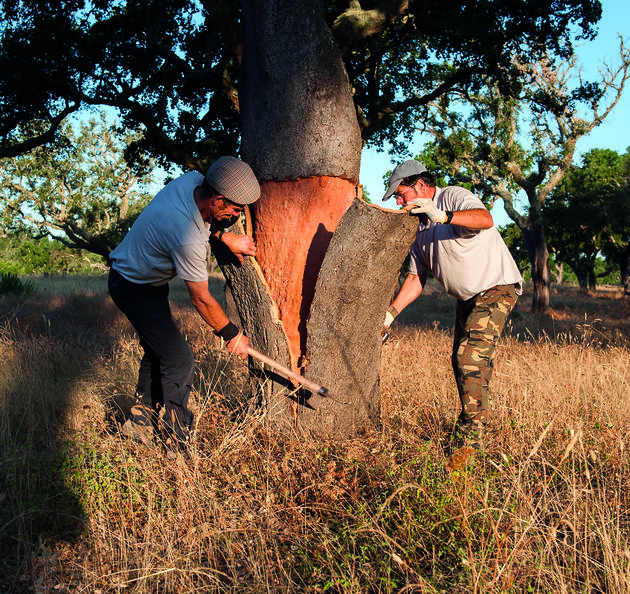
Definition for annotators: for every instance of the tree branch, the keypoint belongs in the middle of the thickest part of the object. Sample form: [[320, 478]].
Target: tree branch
[[356, 24], [19, 148]]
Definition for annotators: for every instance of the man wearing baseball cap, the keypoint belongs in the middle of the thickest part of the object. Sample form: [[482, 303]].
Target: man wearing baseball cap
[[458, 242], [170, 238]]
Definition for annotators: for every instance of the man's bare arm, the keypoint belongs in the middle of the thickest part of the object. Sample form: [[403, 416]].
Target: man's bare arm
[[212, 313]]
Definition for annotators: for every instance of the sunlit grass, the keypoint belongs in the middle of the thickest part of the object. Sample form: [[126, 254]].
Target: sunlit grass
[[84, 510]]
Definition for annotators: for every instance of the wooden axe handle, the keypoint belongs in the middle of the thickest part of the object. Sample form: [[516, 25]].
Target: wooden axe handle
[[312, 386]]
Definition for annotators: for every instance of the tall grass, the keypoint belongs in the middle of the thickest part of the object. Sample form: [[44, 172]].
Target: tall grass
[[545, 510]]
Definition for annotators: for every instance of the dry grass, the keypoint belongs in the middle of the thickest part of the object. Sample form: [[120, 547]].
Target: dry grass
[[546, 510]]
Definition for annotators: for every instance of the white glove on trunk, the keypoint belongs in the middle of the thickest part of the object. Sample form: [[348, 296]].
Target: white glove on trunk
[[425, 206]]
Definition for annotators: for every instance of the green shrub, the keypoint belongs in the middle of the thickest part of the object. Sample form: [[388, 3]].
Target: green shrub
[[11, 283]]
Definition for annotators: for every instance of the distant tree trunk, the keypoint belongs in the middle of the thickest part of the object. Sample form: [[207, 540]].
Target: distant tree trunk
[[592, 280], [538, 252], [584, 271], [300, 135], [624, 270], [582, 278], [542, 274], [558, 273]]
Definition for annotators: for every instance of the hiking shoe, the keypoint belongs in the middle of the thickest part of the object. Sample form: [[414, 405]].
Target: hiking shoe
[[174, 450], [471, 434], [140, 433]]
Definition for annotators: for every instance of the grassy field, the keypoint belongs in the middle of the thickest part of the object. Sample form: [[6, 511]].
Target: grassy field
[[545, 510]]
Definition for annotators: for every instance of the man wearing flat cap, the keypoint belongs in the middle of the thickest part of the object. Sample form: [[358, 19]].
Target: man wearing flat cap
[[170, 238], [458, 242]]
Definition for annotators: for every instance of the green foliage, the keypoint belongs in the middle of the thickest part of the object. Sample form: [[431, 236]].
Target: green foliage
[[513, 238], [94, 476], [11, 283], [21, 254], [588, 214], [78, 190], [175, 68]]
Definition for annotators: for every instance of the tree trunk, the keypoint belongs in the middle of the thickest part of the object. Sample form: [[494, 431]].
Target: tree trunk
[[542, 276], [582, 277], [536, 246], [592, 282], [624, 270], [356, 282], [584, 270], [541, 273], [300, 135]]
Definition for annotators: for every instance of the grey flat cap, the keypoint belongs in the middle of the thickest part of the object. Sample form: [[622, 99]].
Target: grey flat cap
[[402, 170], [234, 179]]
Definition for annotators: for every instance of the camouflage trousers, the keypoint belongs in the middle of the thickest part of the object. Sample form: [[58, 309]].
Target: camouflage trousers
[[478, 325]]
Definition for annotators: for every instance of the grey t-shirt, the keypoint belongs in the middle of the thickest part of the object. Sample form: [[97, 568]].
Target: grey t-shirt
[[464, 261], [168, 239]]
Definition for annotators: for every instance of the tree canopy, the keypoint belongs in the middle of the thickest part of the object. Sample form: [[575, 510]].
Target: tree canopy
[[524, 143], [174, 67], [78, 190], [589, 213]]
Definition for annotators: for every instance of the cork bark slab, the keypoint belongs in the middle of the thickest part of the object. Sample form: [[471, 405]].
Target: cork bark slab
[[355, 286]]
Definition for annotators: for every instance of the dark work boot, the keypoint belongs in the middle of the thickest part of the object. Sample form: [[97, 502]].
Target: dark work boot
[[139, 426]]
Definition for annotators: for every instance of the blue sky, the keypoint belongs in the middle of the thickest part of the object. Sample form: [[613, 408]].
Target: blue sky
[[613, 133]]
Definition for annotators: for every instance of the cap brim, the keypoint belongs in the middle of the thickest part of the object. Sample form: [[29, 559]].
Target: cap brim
[[393, 186], [389, 193]]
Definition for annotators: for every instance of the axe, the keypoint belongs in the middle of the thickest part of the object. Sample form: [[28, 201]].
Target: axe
[[286, 372]]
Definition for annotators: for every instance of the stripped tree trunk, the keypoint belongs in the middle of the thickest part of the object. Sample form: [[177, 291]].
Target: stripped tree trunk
[[315, 298], [356, 282]]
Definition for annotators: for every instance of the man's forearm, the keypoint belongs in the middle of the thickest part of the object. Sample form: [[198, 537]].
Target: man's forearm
[[211, 313], [478, 218], [206, 305], [410, 291]]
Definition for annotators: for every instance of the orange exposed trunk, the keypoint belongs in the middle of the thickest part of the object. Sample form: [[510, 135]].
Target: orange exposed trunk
[[293, 224]]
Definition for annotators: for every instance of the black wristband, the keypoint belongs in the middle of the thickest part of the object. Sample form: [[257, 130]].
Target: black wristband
[[221, 234], [449, 217], [228, 332]]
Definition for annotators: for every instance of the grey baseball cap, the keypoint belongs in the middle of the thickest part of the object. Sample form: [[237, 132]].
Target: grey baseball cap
[[402, 170], [234, 179]]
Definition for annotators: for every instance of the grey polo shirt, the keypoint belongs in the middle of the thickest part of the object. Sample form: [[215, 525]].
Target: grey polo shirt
[[168, 239], [464, 261]]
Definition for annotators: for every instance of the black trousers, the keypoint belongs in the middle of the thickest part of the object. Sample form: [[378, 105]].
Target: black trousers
[[167, 366]]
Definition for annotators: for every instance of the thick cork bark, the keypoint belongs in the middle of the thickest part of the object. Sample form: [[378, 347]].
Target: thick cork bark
[[356, 283], [344, 319], [294, 222]]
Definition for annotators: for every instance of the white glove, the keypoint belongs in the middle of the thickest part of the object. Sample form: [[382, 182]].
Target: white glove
[[390, 315], [426, 206]]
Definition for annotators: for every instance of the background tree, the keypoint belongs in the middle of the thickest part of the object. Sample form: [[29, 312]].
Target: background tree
[[21, 254], [616, 246], [78, 190], [507, 145], [589, 213], [306, 84]]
